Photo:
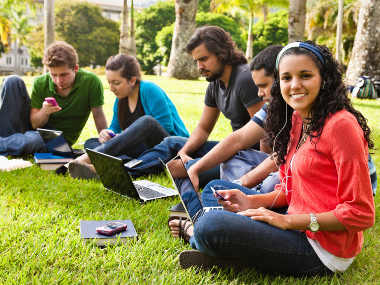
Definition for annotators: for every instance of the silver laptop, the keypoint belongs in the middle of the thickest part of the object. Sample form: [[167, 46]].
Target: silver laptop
[[116, 178], [190, 200]]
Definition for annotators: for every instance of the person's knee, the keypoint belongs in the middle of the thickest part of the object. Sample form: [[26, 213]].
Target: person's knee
[[209, 226], [12, 79]]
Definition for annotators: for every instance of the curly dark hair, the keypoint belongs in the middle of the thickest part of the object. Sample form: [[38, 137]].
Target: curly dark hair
[[332, 97], [217, 41]]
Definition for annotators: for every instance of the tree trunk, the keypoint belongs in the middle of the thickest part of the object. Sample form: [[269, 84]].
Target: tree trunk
[[339, 29], [123, 46], [181, 65], [365, 58], [248, 53], [131, 41], [297, 18], [49, 23]]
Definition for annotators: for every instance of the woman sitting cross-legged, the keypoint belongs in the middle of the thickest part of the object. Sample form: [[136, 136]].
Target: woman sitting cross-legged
[[321, 146], [143, 116]]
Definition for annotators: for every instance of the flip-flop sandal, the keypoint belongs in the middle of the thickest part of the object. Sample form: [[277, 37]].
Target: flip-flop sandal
[[80, 169], [182, 229]]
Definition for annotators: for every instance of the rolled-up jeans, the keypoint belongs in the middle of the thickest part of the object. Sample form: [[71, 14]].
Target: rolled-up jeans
[[16, 135], [288, 252]]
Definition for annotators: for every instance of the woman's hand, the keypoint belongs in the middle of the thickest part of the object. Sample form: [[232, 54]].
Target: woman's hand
[[236, 200], [267, 216], [104, 135]]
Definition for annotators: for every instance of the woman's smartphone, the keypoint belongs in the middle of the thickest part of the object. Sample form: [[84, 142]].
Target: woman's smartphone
[[217, 194], [51, 100], [111, 228]]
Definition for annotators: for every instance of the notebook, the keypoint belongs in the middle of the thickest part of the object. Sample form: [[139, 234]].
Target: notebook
[[196, 210], [116, 178], [57, 144]]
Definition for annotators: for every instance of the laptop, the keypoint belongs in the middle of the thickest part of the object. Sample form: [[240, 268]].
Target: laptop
[[116, 178], [57, 144], [191, 202]]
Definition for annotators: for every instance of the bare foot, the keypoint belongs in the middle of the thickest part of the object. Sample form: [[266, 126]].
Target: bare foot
[[174, 227]]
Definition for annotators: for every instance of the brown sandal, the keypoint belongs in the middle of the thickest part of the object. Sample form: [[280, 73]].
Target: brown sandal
[[182, 228]]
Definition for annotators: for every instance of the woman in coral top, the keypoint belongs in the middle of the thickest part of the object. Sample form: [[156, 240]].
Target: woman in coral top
[[321, 144]]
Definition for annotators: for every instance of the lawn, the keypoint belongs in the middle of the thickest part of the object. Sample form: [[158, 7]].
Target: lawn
[[40, 214]]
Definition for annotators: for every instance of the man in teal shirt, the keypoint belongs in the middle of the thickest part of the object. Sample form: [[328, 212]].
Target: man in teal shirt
[[77, 92]]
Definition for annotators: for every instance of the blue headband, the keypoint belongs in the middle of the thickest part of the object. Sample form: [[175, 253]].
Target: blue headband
[[310, 47]]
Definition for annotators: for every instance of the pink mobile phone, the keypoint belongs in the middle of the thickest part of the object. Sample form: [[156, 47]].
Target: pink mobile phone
[[111, 228], [51, 100]]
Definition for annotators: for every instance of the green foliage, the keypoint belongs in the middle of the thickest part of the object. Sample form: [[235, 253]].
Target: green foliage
[[273, 32], [322, 20], [35, 42], [164, 37], [82, 25], [148, 23], [203, 6]]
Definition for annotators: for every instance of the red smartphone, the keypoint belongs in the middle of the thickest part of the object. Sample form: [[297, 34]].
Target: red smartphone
[[111, 228], [51, 100]]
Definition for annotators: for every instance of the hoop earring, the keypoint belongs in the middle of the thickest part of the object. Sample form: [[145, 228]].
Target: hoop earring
[[323, 85]]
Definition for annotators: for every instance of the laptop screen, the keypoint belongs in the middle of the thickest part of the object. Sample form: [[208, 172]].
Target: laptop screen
[[56, 142], [113, 174], [182, 183]]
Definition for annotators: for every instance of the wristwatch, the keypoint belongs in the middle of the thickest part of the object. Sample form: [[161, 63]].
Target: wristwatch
[[313, 226], [238, 182]]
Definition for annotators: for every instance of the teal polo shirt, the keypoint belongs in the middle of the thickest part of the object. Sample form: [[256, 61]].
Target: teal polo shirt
[[87, 93]]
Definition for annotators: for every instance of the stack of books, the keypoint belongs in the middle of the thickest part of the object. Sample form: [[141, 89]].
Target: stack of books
[[49, 161]]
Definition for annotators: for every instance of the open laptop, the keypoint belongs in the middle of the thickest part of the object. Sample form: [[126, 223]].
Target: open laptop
[[116, 178], [57, 144], [189, 199]]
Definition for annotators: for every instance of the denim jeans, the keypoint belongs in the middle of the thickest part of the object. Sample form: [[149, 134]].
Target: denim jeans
[[143, 134], [166, 150], [16, 135], [222, 233], [236, 167]]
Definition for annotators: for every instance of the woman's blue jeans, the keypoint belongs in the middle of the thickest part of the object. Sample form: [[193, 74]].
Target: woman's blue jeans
[[145, 133], [288, 252]]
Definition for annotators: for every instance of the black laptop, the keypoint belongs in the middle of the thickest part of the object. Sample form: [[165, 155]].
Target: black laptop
[[116, 178], [193, 207], [57, 144]]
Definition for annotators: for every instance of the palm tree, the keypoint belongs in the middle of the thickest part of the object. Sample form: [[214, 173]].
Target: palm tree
[[365, 58], [49, 23], [132, 43], [252, 8], [123, 46], [20, 29], [181, 65], [297, 18], [322, 24]]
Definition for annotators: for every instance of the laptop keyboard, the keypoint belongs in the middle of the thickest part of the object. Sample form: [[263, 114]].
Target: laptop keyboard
[[148, 193], [201, 212]]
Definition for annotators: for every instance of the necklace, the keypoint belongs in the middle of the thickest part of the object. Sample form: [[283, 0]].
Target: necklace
[[305, 127]]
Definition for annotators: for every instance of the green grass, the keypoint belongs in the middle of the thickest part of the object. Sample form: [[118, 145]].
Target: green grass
[[40, 214]]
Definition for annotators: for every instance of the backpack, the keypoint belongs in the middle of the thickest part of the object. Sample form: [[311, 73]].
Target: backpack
[[364, 88]]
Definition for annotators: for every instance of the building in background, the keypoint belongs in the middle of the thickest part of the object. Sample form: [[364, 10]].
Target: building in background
[[110, 10]]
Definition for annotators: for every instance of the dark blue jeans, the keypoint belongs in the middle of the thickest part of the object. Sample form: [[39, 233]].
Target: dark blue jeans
[[145, 133], [167, 150], [16, 135], [222, 233]]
